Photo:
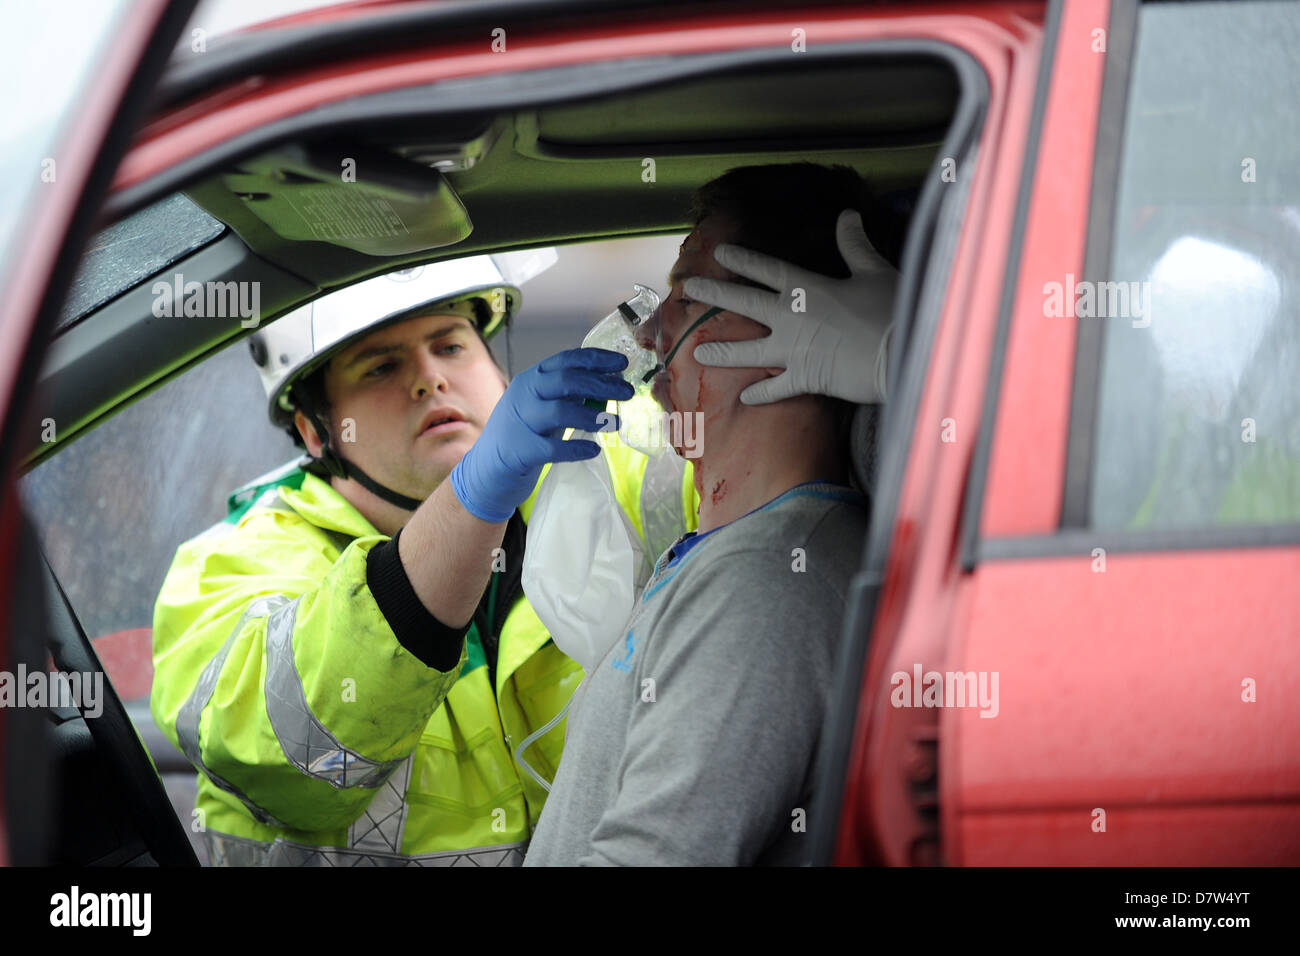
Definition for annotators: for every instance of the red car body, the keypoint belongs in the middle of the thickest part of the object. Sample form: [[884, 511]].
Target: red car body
[[1120, 691]]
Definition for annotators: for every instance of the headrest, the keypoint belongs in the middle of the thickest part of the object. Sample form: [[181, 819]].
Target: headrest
[[863, 446]]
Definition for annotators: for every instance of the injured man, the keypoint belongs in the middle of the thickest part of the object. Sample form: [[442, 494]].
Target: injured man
[[694, 741]]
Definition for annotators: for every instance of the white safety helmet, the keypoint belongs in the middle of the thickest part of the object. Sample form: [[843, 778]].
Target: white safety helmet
[[485, 289]]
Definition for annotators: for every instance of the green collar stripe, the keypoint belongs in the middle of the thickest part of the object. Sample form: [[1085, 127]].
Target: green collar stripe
[[476, 656], [241, 499]]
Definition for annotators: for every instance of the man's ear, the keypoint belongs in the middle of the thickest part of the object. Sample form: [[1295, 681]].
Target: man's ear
[[308, 433]]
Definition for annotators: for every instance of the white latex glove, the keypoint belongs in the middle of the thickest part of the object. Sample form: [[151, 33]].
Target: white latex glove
[[835, 347]]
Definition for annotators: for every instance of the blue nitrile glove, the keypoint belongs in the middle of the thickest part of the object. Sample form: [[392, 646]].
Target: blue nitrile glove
[[526, 429]]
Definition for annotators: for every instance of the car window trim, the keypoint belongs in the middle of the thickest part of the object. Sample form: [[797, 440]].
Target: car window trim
[[936, 224], [1090, 335], [973, 505], [1084, 542]]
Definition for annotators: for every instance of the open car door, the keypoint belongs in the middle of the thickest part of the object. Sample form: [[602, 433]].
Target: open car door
[[61, 148]]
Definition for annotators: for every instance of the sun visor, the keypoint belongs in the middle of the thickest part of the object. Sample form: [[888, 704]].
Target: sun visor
[[359, 198]]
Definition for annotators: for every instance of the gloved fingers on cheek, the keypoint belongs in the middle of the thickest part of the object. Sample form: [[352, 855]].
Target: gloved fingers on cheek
[[741, 299], [757, 266], [580, 384], [747, 353], [775, 389]]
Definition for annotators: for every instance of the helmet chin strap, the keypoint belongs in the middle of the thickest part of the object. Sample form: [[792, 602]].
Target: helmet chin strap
[[337, 465]]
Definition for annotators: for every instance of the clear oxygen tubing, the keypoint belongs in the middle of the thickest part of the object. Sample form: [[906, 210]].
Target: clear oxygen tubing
[[528, 741], [678, 344], [542, 731]]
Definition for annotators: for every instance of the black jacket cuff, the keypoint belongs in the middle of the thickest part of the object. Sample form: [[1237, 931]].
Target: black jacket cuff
[[432, 642]]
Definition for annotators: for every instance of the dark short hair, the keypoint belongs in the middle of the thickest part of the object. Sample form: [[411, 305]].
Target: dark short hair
[[309, 396], [789, 210]]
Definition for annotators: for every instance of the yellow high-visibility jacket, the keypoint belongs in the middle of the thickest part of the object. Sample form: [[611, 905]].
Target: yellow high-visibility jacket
[[319, 737]]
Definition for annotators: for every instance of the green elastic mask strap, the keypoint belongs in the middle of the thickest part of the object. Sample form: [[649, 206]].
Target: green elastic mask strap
[[685, 335]]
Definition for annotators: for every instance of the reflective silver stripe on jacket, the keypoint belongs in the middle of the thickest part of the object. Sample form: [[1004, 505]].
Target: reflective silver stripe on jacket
[[299, 733], [306, 743], [379, 829], [662, 519], [187, 721], [227, 850]]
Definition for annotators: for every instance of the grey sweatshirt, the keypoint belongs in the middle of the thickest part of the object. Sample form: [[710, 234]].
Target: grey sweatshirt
[[693, 741]]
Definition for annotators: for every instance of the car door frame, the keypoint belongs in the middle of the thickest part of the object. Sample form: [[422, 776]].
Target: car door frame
[[114, 105]]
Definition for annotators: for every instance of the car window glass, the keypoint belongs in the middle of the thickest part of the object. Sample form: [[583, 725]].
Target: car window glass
[[130, 251], [1199, 403]]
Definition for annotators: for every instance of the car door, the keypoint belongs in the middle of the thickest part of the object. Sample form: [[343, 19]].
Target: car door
[[1137, 586], [1130, 534], [60, 149]]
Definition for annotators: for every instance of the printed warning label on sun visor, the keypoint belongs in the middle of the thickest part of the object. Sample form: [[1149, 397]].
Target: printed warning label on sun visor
[[332, 214]]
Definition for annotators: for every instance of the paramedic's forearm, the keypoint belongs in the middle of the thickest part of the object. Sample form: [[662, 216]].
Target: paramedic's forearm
[[448, 555]]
